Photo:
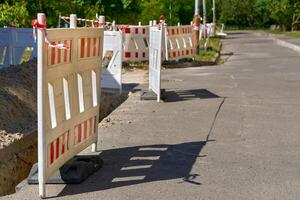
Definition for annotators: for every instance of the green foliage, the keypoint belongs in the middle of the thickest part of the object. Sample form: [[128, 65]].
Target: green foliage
[[261, 13], [13, 14], [235, 13], [210, 53]]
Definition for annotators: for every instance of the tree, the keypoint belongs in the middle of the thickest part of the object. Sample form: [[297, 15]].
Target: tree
[[240, 13], [15, 13], [296, 16]]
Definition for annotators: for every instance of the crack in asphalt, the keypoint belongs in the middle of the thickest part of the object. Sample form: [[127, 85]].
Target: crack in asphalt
[[215, 118]]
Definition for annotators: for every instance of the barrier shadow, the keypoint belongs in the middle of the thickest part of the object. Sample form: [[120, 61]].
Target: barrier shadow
[[131, 87], [141, 164], [185, 95]]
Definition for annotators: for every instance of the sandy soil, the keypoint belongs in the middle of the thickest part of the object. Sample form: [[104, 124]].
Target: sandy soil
[[17, 102]]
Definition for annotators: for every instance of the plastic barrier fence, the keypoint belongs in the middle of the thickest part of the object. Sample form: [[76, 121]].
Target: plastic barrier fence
[[155, 52], [16, 45], [179, 42], [220, 31], [135, 43], [112, 54], [68, 96], [5, 47]]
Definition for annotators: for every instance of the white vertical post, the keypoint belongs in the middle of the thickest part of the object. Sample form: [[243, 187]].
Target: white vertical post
[[41, 126], [196, 7], [159, 61], [73, 21], [214, 17], [196, 24], [165, 32], [114, 25], [101, 21], [178, 24], [204, 18], [140, 23], [149, 75], [154, 22]]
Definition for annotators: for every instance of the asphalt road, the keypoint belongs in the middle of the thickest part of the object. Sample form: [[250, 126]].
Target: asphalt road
[[223, 132]]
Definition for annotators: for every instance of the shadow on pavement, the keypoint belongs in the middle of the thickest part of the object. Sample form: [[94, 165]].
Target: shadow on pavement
[[130, 87], [238, 33], [184, 95], [141, 164]]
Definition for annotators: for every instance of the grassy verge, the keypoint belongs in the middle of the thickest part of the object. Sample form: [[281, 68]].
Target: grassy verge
[[295, 34], [212, 51]]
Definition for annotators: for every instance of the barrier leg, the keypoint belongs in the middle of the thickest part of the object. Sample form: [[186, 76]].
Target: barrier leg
[[41, 129], [94, 147]]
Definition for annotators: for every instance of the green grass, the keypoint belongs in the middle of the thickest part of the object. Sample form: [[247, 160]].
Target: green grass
[[295, 34], [209, 54]]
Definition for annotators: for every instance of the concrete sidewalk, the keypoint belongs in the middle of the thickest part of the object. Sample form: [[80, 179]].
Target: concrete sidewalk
[[282, 40], [223, 132]]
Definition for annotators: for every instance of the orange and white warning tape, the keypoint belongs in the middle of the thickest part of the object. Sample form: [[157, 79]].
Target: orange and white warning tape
[[42, 26]]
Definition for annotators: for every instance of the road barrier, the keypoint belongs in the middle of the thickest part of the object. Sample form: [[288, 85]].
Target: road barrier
[[112, 52], [135, 43], [179, 41], [68, 94], [155, 59], [111, 77], [220, 31], [16, 46]]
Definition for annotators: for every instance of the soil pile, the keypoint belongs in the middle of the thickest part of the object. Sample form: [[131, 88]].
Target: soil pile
[[17, 102]]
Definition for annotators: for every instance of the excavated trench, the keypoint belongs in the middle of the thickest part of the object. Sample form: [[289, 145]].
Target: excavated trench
[[18, 122]]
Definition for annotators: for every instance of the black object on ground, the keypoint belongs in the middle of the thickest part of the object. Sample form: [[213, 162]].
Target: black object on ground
[[74, 171], [150, 95]]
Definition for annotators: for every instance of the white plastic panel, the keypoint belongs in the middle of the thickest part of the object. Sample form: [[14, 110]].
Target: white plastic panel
[[68, 95], [112, 75], [155, 52]]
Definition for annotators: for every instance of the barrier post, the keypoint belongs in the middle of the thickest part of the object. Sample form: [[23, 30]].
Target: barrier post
[[73, 21], [101, 21], [196, 24], [214, 17], [41, 126], [114, 25], [204, 19]]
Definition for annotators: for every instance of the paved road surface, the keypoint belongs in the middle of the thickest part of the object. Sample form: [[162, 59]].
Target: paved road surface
[[224, 132]]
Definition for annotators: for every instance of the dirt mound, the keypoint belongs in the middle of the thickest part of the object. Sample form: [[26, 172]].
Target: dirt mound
[[17, 101]]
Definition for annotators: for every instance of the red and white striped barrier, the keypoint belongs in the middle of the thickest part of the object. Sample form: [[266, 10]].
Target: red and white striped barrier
[[135, 43], [179, 41], [68, 95]]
